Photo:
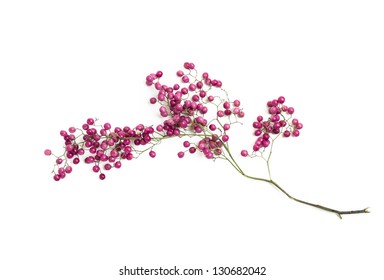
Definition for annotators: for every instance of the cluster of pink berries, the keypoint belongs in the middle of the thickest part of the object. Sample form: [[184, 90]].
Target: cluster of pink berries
[[210, 146], [185, 107], [279, 122], [106, 147]]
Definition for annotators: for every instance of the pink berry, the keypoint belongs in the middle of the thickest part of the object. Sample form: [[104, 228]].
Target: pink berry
[[149, 78], [225, 138], [158, 86], [281, 100], [258, 132], [114, 153], [186, 144], [185, 79], [244, 153], [96, 168], [179, 73], [102, 176], [47, 152], [257, 125], [220, 113], [187, 65], [209, 155], [161, 96], [140, 127], [180, 154], [227, 126], [195, 98], [286, 133], [276, 125], [192, 87], [107, 126], [265, 143], [159, 128], [130, 156], [152, 154], [296, 133], [272, 110], [198, 129], [299, 126], [291, 110]]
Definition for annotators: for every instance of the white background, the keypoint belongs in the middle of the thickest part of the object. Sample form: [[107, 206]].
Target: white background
[[64, 61]]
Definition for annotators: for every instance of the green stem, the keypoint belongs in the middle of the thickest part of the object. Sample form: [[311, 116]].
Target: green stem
[[269, 158], [339, 213], [232, 161]]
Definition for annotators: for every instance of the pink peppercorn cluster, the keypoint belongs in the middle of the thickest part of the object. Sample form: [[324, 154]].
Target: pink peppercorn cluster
[[279, 122], [104, 148], [189, 109], [198, 108], [210, 146]]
